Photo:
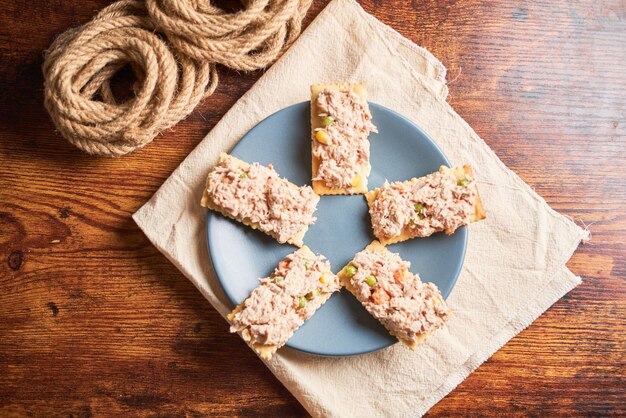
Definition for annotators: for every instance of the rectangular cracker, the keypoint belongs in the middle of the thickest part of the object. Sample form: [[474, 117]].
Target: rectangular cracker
[[345, 281], [266, 351], [296, 239], [459, 172], [318, 185]]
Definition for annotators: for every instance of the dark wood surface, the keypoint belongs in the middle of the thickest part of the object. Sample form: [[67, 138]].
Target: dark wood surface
[[95, 321]]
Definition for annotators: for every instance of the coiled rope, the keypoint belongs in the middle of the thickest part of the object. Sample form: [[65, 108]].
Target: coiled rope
[[81, 62]]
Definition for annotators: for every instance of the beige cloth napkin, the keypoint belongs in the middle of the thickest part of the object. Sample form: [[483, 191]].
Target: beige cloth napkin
[[515, 264]]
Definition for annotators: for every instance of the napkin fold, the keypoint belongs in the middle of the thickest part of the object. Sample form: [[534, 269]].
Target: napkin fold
[[515, 263]]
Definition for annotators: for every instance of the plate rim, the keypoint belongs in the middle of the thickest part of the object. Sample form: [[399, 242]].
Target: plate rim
[[462, 230]]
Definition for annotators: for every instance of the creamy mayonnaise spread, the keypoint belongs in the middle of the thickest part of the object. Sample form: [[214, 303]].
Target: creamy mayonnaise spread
[[258, 195], [407, 307], [345, 149], [295, 290], [419, 208]]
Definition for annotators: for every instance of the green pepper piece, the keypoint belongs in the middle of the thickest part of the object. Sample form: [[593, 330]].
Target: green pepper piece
[[419, 206], [244, 175], [327, 121], [301, 302], [278, 279], [462, 182], [350, 271]]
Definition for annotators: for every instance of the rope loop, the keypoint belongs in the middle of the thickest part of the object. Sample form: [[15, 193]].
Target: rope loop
[[170, 82]]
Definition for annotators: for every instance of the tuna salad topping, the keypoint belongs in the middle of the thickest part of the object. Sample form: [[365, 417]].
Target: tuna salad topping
[[283, 301], [341, 145], [259, 195], [397, 298], [419, 208]]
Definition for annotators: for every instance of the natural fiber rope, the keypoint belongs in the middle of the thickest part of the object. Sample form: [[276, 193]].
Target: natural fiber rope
[[247, 40], [81, 62]]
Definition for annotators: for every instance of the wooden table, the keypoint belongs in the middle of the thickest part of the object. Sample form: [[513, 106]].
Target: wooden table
[[95, 321]]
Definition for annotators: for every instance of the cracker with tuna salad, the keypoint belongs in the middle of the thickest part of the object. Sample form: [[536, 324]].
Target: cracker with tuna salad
[[340, 124], [300, 284], [441, 201], [381, 281], [256, 196]]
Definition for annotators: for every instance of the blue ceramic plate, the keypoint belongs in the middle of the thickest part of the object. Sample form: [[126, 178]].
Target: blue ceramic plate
[[240, 255]]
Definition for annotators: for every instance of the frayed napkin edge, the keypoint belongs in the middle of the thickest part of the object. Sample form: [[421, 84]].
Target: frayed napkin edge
[[515, 326], [378, 26], [522, 319]]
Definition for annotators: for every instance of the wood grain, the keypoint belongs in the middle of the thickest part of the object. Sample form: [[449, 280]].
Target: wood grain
[[95, 322]]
